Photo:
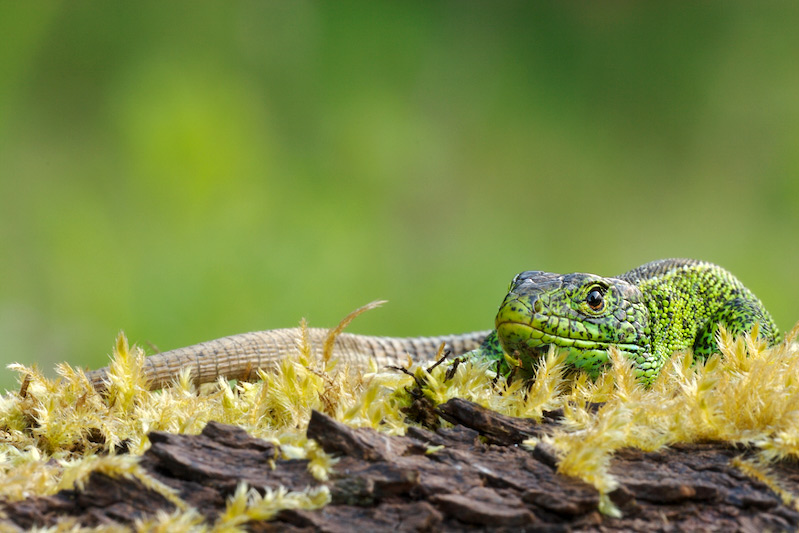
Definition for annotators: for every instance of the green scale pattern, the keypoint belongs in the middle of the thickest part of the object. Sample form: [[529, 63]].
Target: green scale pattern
[[648, 314]]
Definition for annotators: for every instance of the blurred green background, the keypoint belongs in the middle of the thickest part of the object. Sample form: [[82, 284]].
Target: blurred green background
[[184, 171]]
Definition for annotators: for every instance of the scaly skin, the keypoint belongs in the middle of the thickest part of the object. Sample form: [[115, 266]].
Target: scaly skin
[[647, 313], [240, 356]]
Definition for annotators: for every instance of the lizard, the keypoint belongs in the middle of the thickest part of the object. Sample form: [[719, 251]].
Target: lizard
[[647, 314]]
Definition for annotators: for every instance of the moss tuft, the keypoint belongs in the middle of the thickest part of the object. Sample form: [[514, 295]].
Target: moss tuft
[[747, 394]]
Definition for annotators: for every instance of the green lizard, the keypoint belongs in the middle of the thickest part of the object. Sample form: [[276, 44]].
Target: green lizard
[[647, 313]]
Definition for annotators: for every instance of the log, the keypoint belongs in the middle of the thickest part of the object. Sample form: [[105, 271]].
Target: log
[[473, 476]]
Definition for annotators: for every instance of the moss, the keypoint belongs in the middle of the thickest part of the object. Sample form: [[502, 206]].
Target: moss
[[746, 394]]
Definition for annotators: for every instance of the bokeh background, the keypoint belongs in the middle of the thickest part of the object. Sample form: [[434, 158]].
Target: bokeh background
[[184, 171]]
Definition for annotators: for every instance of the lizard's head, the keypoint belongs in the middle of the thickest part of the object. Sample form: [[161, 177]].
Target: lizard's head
[[583, 313]]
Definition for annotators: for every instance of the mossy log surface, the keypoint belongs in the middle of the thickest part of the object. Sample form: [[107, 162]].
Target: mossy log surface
[[476, 478]]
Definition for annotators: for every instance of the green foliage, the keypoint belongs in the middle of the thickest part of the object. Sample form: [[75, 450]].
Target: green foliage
[[190, 174]]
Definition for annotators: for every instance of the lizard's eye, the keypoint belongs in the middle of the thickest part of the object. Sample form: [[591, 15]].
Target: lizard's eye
[[595, 300]]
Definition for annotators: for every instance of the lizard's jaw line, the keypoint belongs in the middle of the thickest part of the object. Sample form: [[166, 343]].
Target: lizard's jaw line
[[545, 339]]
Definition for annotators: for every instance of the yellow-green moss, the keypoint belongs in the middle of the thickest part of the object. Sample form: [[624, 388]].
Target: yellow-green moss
[[747, 394]]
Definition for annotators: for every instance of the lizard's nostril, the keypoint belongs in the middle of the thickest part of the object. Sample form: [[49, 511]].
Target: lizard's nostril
[[537, 307]]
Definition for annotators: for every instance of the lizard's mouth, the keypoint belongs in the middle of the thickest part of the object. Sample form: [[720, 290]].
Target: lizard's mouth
[[526, 340]]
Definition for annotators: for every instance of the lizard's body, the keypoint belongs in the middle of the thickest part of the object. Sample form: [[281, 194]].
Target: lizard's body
[[647, 313]]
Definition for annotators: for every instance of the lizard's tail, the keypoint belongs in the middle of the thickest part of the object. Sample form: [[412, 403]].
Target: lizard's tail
[[239, 356]]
